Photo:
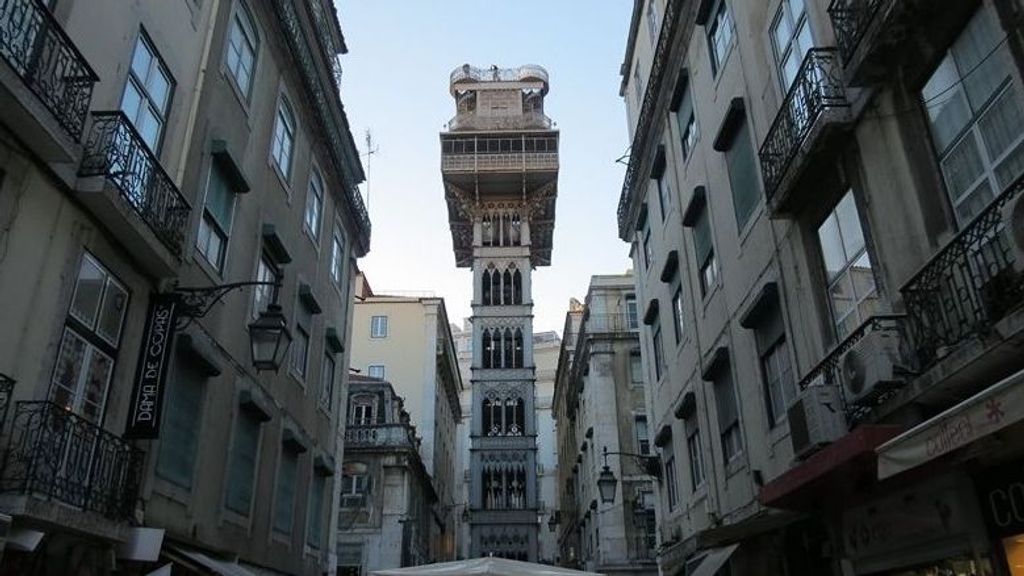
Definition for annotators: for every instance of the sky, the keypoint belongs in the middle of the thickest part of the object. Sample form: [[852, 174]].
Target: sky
[[395, 83]]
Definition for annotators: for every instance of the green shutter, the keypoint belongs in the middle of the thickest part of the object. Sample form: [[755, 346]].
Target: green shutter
[[743, 176], [243, 463], [284, 499], [220, 200], [179, 434]]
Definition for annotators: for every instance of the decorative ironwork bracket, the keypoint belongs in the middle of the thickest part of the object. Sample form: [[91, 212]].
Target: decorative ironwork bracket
[[651, 463], [196, 302]]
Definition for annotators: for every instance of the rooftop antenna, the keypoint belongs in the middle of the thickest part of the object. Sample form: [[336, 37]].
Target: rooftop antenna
[[371, 149]]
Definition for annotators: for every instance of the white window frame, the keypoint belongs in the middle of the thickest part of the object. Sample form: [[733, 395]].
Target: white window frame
[[159, 111], [721, 36], [242, 20], [313, 214], [209, 226], [282, 142], [796, 26], [379, 326], [373, 368]]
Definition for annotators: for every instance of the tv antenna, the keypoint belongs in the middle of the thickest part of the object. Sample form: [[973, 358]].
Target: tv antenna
[[371, 149]]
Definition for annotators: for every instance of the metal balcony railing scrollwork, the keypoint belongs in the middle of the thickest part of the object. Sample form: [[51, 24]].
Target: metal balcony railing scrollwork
[[60, 455], [830, 368], [115, 150], [817, 87], [971, 283], [6, 391], [44, 57], [850, 20]]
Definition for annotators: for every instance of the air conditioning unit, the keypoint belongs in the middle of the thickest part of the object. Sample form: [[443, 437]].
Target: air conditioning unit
[[869, 368], [1013, 220], [815, 419]]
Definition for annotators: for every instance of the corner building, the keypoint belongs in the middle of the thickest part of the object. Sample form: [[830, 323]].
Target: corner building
[[499, 161]]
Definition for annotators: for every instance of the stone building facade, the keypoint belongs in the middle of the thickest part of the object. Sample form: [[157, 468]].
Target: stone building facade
[[822, 204], [146, 149], [600, 405], [499, 163], [387, 506]]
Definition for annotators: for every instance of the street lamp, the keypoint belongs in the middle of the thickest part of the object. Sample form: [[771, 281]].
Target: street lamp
[[606, 481], [553, 521]]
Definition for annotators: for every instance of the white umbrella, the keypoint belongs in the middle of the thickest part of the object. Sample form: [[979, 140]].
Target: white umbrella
[[489, 566]]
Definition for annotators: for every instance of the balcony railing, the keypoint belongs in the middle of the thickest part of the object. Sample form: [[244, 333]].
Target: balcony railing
[[851, 20], [42, 55], [818, 86], [971, 283], [115, 150], [828, 372], [611, 322], [56, 454], [500, 162], [380, 435], [6, 391]]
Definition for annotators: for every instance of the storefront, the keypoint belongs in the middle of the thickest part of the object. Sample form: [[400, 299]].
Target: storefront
[[1001, 495]]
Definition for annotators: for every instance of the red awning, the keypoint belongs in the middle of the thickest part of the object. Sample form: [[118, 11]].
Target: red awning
[[835, 466]]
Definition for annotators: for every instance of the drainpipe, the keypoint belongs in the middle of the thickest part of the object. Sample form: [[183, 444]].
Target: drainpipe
[[193, 111]]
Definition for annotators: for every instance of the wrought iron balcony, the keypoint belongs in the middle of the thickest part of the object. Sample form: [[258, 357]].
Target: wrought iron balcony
[[56, 454], [41, 54], [851, 20], [115, 150], [969, 285], [818, 87]]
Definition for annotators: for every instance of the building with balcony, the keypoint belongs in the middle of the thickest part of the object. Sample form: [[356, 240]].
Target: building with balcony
[[499, 164], [387, 513], [407, 340], [156, 160], [600, 407], [822, 206]]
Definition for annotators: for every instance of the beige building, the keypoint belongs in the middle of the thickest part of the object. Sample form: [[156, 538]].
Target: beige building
[[152, 156], [823, 208], [407, 341], [600, 406]]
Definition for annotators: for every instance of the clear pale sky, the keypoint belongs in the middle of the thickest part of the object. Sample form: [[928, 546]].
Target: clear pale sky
[[395, 83]]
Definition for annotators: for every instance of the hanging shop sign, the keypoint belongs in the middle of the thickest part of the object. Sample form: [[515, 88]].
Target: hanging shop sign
[[154, 356]]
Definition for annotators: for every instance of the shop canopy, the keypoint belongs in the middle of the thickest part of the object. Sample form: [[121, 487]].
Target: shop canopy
[[489, 566]]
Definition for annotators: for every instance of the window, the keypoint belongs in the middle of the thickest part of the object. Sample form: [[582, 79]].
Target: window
[[631, 313], [338, 255], [703, 245], [671, 481], [778, 380], [363, 408], [652, 21], [300, 351], [659, 351], [638, 84], [379, 327], [728, 415], [686, 119], [354, 490], [376, 371], [88, 348], [327, 382], [791, 39], [215, 227], [743, 178], [848, 269], [677, 313], [262, 295], [147, 93], [284, 496], [664, 195], [973, 107], [720, 31], [314, 204], [283, 144], [182, 419], [643, 443], [695, 453], [647, 247], [242, 461], [241, 56], [314, 514], [636, 370]]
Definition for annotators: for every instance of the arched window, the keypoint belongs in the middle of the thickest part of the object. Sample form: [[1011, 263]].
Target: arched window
[[506, 230], [506, 288], [495, 288], [517, 287], [242, 49], [487, 231], [518, 360], [485, 287], [487, 349], [487, 407], [516, 230], [507, 349]]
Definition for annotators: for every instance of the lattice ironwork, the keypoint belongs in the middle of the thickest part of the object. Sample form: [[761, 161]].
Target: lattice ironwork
[[48, 62], [971, 283], [114, 149], [851, 20], [643, 135], [60, 455], [818, 86]]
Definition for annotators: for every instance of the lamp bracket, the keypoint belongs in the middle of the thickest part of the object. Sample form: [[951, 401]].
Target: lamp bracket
[[651, 463], [196, 302]]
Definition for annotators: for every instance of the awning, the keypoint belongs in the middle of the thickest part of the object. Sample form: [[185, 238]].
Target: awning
[[840, 461], [715, 559], [214, 565], [989, 411]]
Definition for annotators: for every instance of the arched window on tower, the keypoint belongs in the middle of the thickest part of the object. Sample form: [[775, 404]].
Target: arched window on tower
[[487, 231], [485, 287], [506, 288], [517, 287], [488, 423], [495, 288], [517, 236], [487, 349], [507, 349], [518, 360]]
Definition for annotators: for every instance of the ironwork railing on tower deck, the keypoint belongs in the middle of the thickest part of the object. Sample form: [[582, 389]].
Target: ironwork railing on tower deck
[[970, 284], [827, 372], [44, 57], [817, 87], [851, 20], [54, 453], [114, 149]]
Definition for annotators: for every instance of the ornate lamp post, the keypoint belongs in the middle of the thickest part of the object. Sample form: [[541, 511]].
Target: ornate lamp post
[[607, 482]]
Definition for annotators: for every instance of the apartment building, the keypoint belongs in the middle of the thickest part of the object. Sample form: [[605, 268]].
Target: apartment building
[[181, 221], [406, 340], [823, 207], [602, 415], [387, 500]]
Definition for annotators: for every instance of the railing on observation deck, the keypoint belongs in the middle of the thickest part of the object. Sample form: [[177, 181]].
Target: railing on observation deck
[[818, 86], [114, 149], [526, 121], [57, 454], [495, 74], [851, 20], [499, 162], [47, 61]]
